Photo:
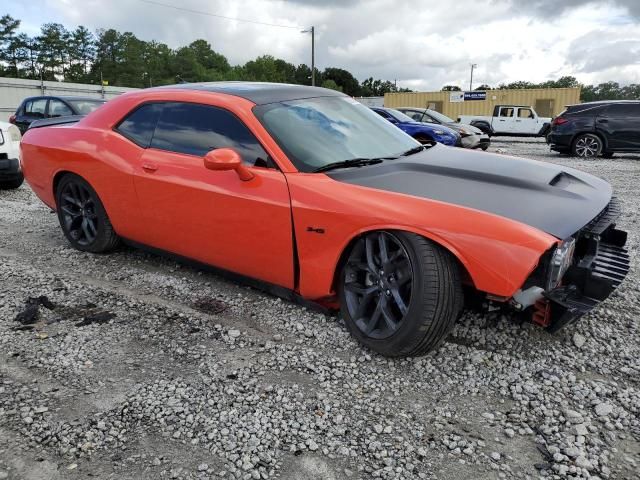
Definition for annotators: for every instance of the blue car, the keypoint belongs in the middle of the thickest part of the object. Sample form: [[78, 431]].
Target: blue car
[[423, 132]]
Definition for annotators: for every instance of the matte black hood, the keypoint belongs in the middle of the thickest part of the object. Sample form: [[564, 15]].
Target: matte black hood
[[552, 198]]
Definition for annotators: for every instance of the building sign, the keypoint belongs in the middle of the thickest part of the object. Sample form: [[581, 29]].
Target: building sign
[[455, 97], [475, 95]]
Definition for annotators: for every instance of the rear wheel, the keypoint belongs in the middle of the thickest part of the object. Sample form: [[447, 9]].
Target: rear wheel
[[400, 294], [82, 216], [587, 145], [11, 184]]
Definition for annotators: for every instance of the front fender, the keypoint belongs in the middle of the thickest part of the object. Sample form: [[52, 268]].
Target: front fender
[[497, 253]]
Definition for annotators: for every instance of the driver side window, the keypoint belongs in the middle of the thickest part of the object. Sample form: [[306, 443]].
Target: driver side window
[[58, 109], [196, 129]]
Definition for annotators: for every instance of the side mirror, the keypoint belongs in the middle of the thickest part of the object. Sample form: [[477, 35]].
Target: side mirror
[[227, 159]]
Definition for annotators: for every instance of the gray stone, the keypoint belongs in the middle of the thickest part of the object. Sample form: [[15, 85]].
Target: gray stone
[[578, 340], [603, 409]]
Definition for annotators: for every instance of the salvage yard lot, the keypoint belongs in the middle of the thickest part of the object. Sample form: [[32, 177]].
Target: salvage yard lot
[[144, 368]]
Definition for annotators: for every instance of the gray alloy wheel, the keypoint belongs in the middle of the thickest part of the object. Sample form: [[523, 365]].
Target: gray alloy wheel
[[587, 145], [82, 216], [400, 294], [379, 288]]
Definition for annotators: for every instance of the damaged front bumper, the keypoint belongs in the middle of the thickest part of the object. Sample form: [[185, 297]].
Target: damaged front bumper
[[600, 265]]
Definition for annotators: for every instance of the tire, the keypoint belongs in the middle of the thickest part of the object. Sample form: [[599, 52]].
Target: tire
[[587, 145], [82, 216], [484, 148], [424, 139], [12, 184], [419, 275]]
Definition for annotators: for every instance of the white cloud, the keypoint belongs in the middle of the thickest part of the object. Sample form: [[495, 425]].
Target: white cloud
[[423, 45]]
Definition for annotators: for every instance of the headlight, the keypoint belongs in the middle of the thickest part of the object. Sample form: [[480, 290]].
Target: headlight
[[464, 133], [561, 260], [14, 133]]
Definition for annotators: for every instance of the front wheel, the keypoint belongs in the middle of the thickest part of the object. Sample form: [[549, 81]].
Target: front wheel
[[400, 294], [82, 216], [587, 145]]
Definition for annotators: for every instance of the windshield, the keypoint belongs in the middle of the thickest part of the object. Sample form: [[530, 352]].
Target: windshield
[[83, 107], [314, 132], [398, 115], [439, 117]]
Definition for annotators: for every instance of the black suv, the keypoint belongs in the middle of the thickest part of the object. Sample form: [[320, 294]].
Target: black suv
[[37, 108], [597, 128]]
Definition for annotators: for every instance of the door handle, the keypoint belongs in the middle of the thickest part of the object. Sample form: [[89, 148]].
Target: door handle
[[149, 167]]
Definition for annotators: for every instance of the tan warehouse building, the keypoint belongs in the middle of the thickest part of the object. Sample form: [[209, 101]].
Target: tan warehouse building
[[548, 102]]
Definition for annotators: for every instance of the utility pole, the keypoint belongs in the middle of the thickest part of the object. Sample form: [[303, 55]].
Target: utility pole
[[312, 31], [473, 65]]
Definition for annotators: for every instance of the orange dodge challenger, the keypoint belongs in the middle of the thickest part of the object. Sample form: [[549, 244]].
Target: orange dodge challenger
[[312, 195]]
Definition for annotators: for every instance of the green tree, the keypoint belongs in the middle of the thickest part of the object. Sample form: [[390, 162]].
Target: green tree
[[8, 44], [343, 79], [53, 50], [451, 88], [266, 68], [331, 84], [483, 87], [563, 82], [158, 59], [302, 75], [82, 52], [207, 57]]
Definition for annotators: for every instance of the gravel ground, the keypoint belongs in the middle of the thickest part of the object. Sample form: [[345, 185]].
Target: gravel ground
[[146, 369]]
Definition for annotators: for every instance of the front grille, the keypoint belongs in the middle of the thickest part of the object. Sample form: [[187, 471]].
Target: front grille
[[605, 218], [611, 264]]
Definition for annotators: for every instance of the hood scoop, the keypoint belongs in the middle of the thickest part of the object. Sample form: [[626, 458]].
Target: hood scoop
[[564, 180]]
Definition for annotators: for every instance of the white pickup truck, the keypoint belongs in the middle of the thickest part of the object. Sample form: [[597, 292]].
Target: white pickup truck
[[516, 120]]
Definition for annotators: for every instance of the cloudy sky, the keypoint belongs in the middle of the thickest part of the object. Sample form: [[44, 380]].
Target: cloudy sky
[[424, 44]]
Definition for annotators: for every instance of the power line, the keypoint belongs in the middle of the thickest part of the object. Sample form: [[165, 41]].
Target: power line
[[199, 12]]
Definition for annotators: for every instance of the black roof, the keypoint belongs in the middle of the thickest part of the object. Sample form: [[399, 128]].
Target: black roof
[[260, 93], [603, 102], [68, 97]]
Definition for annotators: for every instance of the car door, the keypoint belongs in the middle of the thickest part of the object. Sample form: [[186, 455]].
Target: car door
[[58, 108], [214, 217], [620, 125], [504, 122], [386, 116], [416, 115], [34, 109], [525, 122]]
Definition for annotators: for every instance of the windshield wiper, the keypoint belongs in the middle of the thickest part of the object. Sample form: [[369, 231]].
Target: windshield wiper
[[417, 149], [352, 162]]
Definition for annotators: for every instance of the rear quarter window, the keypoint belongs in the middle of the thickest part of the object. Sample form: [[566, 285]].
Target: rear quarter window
[[140, 124], [585, 110]]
